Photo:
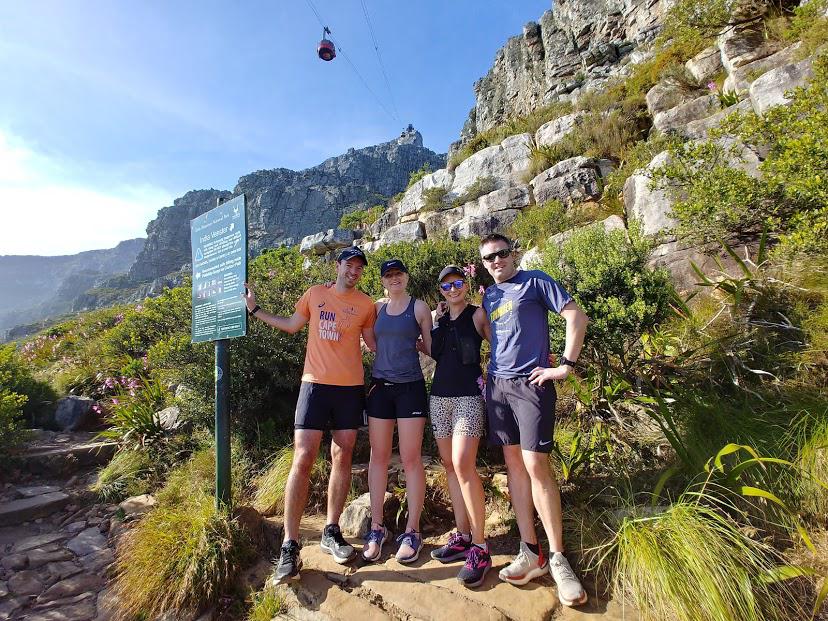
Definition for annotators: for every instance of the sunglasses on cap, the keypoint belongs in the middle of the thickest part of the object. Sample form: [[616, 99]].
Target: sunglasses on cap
[[457, 284], [502, 254]]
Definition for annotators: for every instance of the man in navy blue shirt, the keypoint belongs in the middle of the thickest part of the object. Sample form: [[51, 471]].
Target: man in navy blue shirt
[[520, 404]]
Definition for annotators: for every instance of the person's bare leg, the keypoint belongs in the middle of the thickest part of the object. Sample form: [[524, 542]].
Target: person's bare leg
[[342, 450], [520, 490], [411, 456], [305, 449], [464, 456], [458, 505], [546, 497], [380, 435]]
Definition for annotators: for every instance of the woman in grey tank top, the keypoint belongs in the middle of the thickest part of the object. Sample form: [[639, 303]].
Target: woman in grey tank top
[[397, 395]]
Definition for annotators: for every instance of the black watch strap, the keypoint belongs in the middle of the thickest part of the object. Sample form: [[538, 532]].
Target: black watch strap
[[566, 361], [255, 310]]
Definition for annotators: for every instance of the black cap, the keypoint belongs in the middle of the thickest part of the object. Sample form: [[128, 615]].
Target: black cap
[[451, 269], [352, 252], [392, 264]]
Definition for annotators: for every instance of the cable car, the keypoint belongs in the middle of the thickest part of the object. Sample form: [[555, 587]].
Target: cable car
[[326, 49]]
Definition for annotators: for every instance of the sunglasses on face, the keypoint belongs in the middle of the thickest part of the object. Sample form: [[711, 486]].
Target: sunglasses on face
[[457, 284], [502, 254]]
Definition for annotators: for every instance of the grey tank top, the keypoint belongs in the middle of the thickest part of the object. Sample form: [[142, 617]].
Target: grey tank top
[[397, 359]]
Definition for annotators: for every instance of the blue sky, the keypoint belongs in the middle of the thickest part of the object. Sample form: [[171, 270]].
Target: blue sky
[[112, 109]]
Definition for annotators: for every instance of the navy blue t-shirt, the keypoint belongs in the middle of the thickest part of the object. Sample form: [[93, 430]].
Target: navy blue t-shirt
[[518, 311]]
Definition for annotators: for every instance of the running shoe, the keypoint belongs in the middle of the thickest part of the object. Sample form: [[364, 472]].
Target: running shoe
[[526, 566], [413, 542], [289, 562], [454, 550], [377, 536], [570, 591], [334, 544], [478, 563]]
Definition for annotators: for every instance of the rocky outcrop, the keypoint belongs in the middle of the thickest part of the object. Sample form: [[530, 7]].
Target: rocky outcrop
[[575, 46], [284, 204], [771, 89]]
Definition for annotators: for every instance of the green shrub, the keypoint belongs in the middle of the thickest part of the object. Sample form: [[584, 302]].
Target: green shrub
[[535, 225], [362, 218], [424, 262], [11, 427], [271, 484], [690, 562], [131, 420], [607, 273], [418, 174], [434, 199], [179, 557], [15, 377]]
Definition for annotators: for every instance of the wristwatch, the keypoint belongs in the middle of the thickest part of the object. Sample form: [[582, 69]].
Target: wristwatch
[[255, 310], [563, 360]]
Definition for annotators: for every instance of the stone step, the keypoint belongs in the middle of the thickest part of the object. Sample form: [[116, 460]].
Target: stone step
[[26, 509], [66, 460]]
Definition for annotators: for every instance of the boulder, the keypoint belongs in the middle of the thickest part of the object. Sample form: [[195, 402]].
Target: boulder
[[407, 232], [325, 241], [87, 541], [495, 222], [38, 557], [554, 131], [741, 77], [531, 259], [742, 46], [355, 520], [138, 505], [436, 223], [705, 65], [74, 413], [770, 89], [664, 96], [699, 129], [676, 257], [517, 197], [25, 583], [613, 223], [413, 200], [170, 418], [503, 162], [570, 181], [652, 207], [79, 583], [676, 118]]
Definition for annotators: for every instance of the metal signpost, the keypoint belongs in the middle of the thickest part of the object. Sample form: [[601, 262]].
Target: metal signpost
[[219, 246]]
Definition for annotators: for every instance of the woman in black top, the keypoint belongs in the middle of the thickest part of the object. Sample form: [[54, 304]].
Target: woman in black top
[[458, 417]]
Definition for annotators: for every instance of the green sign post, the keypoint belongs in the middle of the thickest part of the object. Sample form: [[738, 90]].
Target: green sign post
[[219, 246]]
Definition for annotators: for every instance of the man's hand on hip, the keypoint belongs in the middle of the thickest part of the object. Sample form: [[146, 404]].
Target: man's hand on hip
[[539, 375]]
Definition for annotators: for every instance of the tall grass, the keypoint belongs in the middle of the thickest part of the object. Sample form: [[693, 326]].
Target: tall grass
[[124, 476], [196, 477], [179, 558], [270, 486], [267, 603], [691, 562]]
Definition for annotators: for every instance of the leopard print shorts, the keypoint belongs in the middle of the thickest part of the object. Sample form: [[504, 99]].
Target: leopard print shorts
[[459, 416]]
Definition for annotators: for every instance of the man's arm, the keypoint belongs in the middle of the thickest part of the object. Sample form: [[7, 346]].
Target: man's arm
[[422, 314], [576, 323], [481, 323], [291, 324], [369, 338]]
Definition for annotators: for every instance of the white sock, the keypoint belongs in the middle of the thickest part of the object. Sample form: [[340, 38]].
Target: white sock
[[466, 538], [483, 546]]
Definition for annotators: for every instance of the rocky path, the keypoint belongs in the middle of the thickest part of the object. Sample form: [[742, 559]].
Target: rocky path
[[55, 550], [424, 590]]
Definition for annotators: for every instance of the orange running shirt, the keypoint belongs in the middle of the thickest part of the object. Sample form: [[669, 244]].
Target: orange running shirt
[[336, 321]]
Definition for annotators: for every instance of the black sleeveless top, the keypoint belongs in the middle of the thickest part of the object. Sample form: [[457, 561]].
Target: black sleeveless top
[[455, 346]]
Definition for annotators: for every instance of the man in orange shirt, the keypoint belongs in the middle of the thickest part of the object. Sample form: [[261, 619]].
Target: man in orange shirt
[[332, 396]]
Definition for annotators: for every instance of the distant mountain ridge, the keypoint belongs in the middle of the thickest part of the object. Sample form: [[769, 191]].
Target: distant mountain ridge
[[35, 287]]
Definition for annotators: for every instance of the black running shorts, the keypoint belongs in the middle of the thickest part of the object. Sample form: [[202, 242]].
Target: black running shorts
[[324, 406], [520, 413], [404, 400]]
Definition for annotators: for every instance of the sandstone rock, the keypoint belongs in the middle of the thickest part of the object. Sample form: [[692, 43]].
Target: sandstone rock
[[437, 223], [170, 418], [107, 604], [38, 541], [740, 156], [38, 557], [530, 259], [741, 77], [676, 118], [325, 241], [664, 96], [770, 89], [705, 65], [138, 505], [76, 527], [740, 46], [98, 562], [82, 611], [501, 483], [79, 583], [13, 562], [74, 412], [571, 181], [503, 163], [517, 197], [25, 582], [356, 518], [11, 605], [676, 257], [699, 129], [407, 232], [652, 207], [87, 542], [413, 200], [63, 569], [555, 130], [39, 490], [4, 589], [471, 226]]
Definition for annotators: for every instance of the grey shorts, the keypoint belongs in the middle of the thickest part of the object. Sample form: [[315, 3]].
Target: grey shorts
[[520, 413], [458, 416]]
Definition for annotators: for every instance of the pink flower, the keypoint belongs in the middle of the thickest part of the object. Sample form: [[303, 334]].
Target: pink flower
[[470, 270], [712, 86], [139, 308], [481, 290], [115, 401]]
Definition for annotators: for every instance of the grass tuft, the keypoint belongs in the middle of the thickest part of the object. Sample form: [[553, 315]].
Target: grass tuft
[[270, 485], [267, 603], [124, 476]]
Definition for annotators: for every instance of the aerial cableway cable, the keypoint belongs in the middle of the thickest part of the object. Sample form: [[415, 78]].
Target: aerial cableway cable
[[339, 49], [379, 58]]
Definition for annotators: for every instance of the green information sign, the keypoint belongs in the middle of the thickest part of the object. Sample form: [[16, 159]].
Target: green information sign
[[219, 243]]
